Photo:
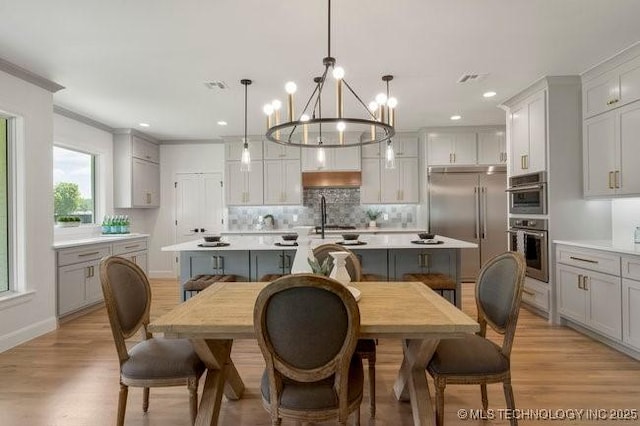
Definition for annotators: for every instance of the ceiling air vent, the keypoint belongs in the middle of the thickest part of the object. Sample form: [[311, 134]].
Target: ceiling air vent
[[471, 77], [216, 84]]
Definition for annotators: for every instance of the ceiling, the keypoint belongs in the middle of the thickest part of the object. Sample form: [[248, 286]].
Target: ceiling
[[124, 62]]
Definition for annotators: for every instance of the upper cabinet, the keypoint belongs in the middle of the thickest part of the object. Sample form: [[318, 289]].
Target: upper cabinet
[[336, 159], [244, 188], [466, 146], [404, 145], [611, 129], [136, 170], [233, 149], [612, 89], [282, 182], [275, 151], [528, 141]]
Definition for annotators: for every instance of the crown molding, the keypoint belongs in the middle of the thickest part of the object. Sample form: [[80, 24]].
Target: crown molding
[[28, 76], [81, 118]]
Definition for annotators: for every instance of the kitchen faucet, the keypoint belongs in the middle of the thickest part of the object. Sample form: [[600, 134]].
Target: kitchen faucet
[[323, 215]]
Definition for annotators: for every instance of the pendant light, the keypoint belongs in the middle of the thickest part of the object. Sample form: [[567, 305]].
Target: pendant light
[[391, 104], [245, 159]]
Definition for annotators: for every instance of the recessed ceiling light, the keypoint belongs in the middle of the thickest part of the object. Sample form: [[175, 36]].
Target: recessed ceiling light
[[222, 123], [489, 94], [144, 124], [456, 117]]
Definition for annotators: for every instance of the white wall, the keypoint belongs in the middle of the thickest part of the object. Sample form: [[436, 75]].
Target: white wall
[[625, 214], [176, 158], [26, 317]]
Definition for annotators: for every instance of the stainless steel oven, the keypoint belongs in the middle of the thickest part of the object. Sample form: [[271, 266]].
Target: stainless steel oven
[[529, 237], [528, 194]]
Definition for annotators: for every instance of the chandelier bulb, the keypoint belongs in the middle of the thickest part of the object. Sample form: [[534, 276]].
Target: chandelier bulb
[[338, 73], [290, 87], [304, 117], [373, 106], [381, 98], [392, 102], [268, 109], [341, 126], [276, 104]]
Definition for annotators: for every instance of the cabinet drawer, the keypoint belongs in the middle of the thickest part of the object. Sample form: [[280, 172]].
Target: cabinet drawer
[[145, 150], [129, 246], [536, 294], [83, 254], [589, 259], [631, 267]]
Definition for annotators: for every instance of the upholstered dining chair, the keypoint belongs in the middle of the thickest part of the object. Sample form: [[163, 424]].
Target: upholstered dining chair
[[307, 328], [474, 359], [366, 348], [153, 361]]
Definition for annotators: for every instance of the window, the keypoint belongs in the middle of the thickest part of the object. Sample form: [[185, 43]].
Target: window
[[73, 184], [4, 207]]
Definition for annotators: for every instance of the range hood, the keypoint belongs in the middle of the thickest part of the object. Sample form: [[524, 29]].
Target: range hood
[[331, 179]]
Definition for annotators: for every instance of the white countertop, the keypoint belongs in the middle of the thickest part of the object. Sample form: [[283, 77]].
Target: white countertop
[[605, 245], [99, 239], [374, 241], [328, 231]]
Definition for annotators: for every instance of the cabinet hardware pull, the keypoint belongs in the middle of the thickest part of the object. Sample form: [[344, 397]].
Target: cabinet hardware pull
[[130, 247], [454, 157], [221, 265], [88, 272], [214, 262], [88, 254], [616, 179], [420, 260], [526, 161], [450, 158], [288, 265], [611, 180], [580, 282], [582, 259], [281, 262], [585, 285], [529, 292], [522, 162]]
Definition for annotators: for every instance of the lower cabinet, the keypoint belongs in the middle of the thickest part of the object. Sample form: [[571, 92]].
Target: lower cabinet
[[591, 298], [631, 312], [78, 275], [404, 261], [271, 262]]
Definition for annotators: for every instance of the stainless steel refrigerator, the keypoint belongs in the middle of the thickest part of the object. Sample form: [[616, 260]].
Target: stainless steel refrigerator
[[470, 205]]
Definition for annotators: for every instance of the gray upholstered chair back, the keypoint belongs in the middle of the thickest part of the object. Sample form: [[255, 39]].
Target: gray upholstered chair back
[[307, 326], [499, 293], [127, 296], [352, 263]]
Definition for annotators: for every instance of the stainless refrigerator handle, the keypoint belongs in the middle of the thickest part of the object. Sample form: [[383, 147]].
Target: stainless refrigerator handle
[[484, 212], [476, 218]]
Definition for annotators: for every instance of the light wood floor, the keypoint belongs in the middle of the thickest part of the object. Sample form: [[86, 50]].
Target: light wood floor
[[70, 377]]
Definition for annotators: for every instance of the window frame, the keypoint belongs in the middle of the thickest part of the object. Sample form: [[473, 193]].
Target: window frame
[[95, 161]]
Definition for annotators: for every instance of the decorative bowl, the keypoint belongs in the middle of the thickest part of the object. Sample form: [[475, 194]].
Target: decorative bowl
[[350, 237], [290, 237], [212, 238], [426, 236]]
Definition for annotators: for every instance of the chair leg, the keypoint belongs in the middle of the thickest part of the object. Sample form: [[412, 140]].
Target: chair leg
[[192, 385], [145, 400], [485, 399], [122, 403], [440, 383], [356, 420], [372, 386], [508, 396]]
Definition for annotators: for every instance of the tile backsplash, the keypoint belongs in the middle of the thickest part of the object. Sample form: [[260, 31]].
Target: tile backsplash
[[343, 208]]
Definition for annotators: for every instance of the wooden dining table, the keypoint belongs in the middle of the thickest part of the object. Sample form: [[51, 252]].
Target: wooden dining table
[[408, 311]]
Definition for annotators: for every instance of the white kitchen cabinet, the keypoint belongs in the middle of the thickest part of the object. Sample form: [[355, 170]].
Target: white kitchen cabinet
[[590, 298], [400, 185], [370, 188], [337, 159], [244, 188], [612, 89], [631, 312], [372, 150], [446, 149], [233, 149], [282, 182], [276, 151], [134, 250], [404, 145], [528, 140], [492, 148], [610, 152], [136, 171]]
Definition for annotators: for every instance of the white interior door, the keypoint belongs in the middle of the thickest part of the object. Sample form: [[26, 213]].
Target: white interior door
[[198, 205]]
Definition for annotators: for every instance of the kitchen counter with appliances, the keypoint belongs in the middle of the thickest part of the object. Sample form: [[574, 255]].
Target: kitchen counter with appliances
[[379, 230], [604, 245]]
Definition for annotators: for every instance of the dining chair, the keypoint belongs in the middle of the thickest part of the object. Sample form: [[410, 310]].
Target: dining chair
[[474, 359], [152, 361], [366, 348], [307, 328]]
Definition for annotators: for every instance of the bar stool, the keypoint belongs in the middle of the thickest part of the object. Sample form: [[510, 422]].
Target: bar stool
[[435, 281], [200, 282]]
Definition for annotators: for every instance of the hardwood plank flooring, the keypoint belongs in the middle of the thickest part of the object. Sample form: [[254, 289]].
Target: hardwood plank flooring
[[70, 377]]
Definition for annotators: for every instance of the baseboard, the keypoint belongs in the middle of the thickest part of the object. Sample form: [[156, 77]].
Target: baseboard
[[620, 347], [535, 310], [25, 334], [162, 274]]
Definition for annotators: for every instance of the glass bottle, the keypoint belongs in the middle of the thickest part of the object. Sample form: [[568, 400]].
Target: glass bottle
[[636, 235], [105, 225]]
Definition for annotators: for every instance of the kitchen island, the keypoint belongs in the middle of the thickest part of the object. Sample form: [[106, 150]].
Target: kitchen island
[[389, 256]]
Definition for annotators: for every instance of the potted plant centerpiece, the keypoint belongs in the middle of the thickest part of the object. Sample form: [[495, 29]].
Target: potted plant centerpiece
[[68, 221], [373, 215]]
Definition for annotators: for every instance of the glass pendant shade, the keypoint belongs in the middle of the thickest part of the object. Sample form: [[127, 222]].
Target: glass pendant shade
[[390, 157], [245, 159]]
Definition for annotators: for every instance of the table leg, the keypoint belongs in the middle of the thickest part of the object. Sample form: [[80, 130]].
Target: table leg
[[222, 377], [411, 383]]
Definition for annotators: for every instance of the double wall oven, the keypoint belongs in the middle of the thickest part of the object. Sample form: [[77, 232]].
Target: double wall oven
[[529, 237], [528, 194]]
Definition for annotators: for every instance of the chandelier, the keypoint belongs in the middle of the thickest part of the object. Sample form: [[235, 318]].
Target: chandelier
[[313, 128]]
